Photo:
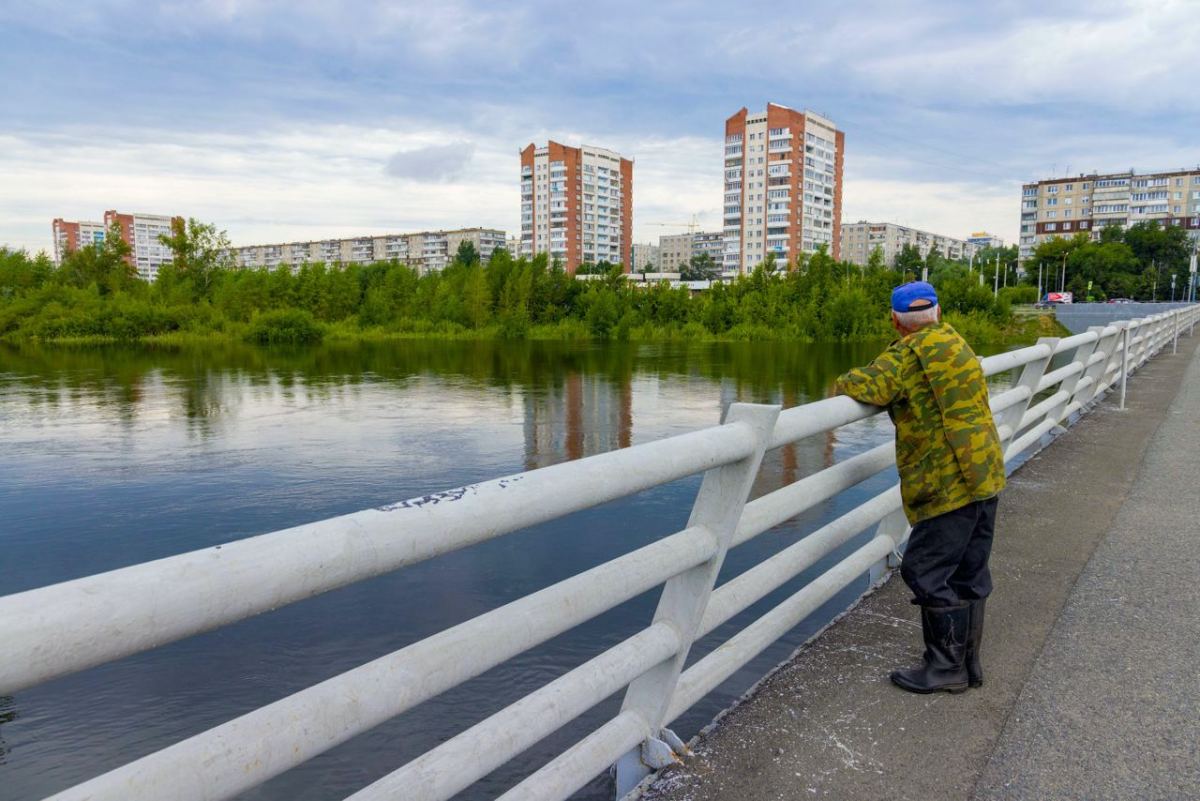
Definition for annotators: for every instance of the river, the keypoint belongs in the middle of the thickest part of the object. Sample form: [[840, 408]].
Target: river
[[114, 456]]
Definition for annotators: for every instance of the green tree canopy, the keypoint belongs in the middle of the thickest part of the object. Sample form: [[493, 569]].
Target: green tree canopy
[[198, 251], [466, 253], [908, 260], [701, 267]]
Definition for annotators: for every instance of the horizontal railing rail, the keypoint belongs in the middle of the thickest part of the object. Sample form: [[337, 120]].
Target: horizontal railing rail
[[64, 628]]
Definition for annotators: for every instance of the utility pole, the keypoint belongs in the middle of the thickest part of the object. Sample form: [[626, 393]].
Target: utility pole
[[1154, 290], [1192, 278], [996, 278], [1039, 297], [1062, 284]]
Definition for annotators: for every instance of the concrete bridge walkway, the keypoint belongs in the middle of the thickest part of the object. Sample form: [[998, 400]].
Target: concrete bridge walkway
[[1091, 654]]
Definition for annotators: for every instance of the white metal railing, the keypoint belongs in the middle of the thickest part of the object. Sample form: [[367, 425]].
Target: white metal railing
[[64, 628]]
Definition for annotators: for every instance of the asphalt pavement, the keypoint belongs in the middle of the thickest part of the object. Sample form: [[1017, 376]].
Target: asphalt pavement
[[1091, 652]]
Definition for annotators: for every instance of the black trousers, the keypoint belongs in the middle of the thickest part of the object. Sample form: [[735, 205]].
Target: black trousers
[[946, 561]]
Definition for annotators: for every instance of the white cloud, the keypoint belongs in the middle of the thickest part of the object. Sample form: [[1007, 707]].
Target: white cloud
[[341, 112], [436, 163], [946, 208], [266, 187], [1128, 55]]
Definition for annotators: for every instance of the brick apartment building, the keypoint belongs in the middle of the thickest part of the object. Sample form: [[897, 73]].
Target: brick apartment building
[[783, 186], [576, 205]]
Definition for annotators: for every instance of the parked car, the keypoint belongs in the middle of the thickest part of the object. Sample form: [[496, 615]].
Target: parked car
[[1119, 300]]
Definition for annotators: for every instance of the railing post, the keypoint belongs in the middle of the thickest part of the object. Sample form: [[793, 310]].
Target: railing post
[[1136, 326], [1031, 374], [1106, 345], [718, 507], [1116, 353], [1125, 339], [1175, 319], [895, 527], [1081, 355]]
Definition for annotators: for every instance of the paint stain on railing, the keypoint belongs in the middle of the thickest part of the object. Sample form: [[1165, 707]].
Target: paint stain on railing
[[446, 496]]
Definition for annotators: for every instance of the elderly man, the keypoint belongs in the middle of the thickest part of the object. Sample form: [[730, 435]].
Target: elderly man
[[951, 469]]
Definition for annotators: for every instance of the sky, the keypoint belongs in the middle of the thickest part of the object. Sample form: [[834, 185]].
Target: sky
[[302, 119]]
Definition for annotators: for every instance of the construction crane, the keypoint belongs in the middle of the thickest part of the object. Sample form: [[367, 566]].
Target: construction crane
[[691, 226]]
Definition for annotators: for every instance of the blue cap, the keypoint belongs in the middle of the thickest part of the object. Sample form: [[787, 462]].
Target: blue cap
[[914, 296]]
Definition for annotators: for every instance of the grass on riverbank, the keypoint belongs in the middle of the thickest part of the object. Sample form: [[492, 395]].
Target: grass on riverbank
[[974, 330]]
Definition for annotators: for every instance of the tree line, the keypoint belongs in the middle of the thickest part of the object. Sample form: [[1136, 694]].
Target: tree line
[[1136, 263], [94, 294]]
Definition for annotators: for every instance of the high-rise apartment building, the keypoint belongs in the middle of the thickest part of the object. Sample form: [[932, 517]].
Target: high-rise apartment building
[[676, 250], [140, 231], [783, 186], [1088, 203], [576, 205], [69, 236], [861, 238], [427, 251]]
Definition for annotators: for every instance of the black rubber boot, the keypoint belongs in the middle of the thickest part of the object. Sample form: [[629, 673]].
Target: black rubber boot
[[974, 641], [944, 666]]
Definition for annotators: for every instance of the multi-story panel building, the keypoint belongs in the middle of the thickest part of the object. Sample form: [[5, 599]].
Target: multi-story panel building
[[426, 251], [140, 231], [676, 250], [1088, 203], [644, 255], [710, 243], [861, 238], [576, 204], [783, 186]]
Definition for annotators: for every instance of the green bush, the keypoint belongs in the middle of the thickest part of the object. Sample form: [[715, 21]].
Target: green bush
[[1019, 294], [285, 327]]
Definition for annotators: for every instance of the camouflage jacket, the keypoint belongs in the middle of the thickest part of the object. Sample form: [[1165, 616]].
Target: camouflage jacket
[[947, 449]]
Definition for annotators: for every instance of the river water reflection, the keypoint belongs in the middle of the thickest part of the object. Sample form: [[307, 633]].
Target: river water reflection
[[109, 457]]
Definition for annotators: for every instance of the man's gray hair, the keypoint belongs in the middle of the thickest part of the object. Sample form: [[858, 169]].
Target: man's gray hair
[[919, 318]]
